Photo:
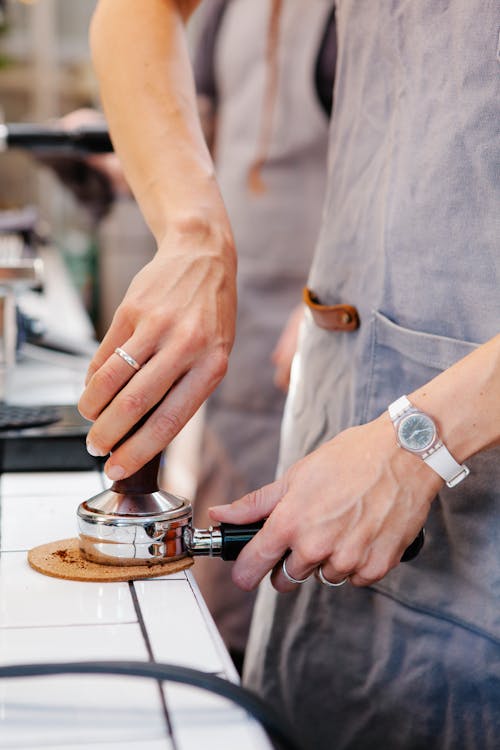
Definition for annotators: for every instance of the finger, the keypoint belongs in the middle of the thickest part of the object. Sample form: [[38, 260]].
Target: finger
[[109, 379], [252, 507], [332, 575], [356, 579], [117, 334], [383, 555], [262, 553], [144, 391], [180, 404], [295, 568], [308, 553], [112, 375], [103, 353]]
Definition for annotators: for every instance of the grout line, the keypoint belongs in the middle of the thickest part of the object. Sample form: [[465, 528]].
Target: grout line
[[70, 625], [1, 494], [228, 667], [149, 649]]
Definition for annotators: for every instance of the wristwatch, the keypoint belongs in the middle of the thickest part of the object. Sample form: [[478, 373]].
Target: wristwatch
[[416, 432]]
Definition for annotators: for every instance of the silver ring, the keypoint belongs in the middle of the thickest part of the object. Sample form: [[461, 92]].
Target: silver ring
[[127, 358], [290, 578], [321, 577]]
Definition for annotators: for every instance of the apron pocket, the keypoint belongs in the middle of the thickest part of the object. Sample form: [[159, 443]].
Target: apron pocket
[[403, 360]]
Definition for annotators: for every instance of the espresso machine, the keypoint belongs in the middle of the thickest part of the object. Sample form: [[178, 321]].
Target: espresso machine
[[43, 436]]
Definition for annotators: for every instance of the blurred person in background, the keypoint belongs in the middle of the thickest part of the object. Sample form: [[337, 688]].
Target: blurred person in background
[[264, 82]]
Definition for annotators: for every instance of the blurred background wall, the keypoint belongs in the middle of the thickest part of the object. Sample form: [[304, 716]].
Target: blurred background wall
[[45, 71]]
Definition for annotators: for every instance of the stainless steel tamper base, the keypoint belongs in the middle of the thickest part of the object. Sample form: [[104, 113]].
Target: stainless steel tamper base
[[133, 529], [136, 523]]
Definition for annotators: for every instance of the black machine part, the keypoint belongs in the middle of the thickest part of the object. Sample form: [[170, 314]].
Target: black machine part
[[46, 139]]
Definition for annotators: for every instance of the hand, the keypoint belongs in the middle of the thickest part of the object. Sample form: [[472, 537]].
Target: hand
[[282, 355], [352, 506], [107, 164], [94, 179], [177, 321]]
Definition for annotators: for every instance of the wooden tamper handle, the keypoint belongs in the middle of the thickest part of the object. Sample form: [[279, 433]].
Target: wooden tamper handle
[[143, 482], [145, 479]]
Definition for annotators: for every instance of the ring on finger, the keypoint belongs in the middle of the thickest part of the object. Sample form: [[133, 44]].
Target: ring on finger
[[128, 358], [324, 580], [290, 578]]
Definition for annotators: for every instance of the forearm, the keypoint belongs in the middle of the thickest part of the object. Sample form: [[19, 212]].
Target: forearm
[[142, 63], [465, 401], [177, 318]]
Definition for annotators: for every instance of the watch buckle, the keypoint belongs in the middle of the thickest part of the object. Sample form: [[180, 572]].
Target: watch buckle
[[464, 472]]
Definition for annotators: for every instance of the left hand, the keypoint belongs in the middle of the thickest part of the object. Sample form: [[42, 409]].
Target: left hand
[[107, 164], [177, 321], [352, 506]]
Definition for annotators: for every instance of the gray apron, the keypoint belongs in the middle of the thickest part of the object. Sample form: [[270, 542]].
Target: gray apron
[[411, 238], [275, 235]]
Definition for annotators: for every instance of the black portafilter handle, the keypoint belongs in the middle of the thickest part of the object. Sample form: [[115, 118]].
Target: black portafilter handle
[[43, 139], [234, 539], [414, 548]]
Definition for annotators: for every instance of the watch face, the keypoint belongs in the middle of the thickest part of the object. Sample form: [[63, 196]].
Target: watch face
[[416, 432]]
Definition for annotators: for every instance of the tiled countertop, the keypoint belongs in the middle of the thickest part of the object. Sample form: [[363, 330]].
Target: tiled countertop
[[45, 619]]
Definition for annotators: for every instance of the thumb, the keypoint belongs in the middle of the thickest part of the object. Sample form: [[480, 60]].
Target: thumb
[[251, 507]]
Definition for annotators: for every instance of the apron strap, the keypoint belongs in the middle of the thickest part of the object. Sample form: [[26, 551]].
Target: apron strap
[[331, 317]]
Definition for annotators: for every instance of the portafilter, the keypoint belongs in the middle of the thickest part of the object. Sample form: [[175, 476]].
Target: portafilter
[[136, 523]]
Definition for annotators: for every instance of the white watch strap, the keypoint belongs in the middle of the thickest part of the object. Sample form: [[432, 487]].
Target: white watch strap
[[398, 407], [440, 460], [445, 465]]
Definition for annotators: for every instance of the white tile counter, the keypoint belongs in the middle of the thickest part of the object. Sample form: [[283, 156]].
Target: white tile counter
[[45, 619]]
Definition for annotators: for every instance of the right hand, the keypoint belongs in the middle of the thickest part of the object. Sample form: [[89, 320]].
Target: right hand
[[95, 180], [177, 321]]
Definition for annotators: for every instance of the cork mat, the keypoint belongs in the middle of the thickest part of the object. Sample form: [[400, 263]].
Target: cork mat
[[63, 559]]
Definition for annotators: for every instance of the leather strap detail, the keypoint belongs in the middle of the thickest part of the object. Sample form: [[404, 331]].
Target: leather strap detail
[[331, 317]]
